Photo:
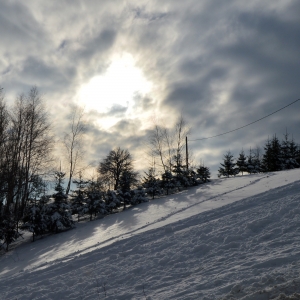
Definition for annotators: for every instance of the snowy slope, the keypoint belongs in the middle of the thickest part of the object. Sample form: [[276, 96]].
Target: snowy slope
[[234, 238]]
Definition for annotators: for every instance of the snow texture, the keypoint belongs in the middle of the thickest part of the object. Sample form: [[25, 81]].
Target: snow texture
[[235, 238]]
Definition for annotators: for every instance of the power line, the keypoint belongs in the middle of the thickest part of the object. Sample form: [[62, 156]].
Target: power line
[[210, 137]]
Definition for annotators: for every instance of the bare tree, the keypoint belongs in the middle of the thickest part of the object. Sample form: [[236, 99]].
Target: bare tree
[[73, 143], [29, 146], [116, 162], [168, 144], [4, 122]]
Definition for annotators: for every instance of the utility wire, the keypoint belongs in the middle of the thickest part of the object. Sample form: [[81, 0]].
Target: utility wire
[[210, 137]]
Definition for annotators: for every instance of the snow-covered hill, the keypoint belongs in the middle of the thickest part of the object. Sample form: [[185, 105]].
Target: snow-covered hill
[[236, 238]]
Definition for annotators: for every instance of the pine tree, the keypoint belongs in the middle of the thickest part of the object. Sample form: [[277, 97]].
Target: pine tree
[[59, 211], [203, 173], [111, 201], [35, 217], [138, 196], [151, 183], [276, 159], [127, 180], [250, 162], [192, 176], [94, 202], [256, 161], [267, 157], [242, 162], [228, 167], [179, 177], [167, 181], [293, 150], [78, 198], [288, 150], [8, 226]]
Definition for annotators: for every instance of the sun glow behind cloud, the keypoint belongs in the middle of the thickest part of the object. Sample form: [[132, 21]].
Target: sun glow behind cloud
[[116, 88]]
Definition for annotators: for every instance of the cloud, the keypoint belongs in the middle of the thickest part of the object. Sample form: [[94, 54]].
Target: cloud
[[221, 65]]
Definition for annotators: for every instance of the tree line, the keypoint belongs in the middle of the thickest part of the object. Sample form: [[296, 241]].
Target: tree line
[[26, 166], [277, 155]]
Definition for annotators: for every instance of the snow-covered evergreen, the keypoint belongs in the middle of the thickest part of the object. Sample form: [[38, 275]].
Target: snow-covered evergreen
[[138, 196], [35, 219], [241, 162], [8, 227], [151, 183], [228, 167], [288, 153], [59, 211], [111, 201], [167, 181], [203, 173], [94, 202], [78, 197]]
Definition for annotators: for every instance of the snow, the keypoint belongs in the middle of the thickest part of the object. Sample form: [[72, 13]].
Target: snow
[[236, 238]]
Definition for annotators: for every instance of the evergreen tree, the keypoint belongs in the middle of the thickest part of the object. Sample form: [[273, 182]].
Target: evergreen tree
[[288, 150], [35, 219], [242, 162], [78, 198], [138, 196], [192, 176], [250, 162], [94, 202], [179, 178], [127, 180], [297, 155], [272, 159], [167, 181], [111, 201], [276, 159], [267, 157], [256, 161], [8, 226], [59, 212], [293, 150], [228, 167], [151, 183], [203, 173]]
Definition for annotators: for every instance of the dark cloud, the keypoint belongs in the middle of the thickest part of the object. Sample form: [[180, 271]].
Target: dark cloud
[[221, 65]]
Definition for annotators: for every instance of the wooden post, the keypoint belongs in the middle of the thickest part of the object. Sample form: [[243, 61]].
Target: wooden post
[[186, 153]]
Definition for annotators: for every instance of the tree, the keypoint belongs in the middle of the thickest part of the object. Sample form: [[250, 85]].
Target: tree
[[138, 196], [167, 181], [111, 201], [228, 167], [73, 143], [94, 202], [78, 197], [272, 158], [151, 183], [288, 153], [250, 162], [59, 212], [203, 173], [241, 162], [168, 143], [267, 157], [35, 216], [127, 180], [27, 148], [8, 227], [116, 162]]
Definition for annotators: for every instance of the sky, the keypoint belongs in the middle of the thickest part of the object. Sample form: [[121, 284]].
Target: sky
[[219, 64]]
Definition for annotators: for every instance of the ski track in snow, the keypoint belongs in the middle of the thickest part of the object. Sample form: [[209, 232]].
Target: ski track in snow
[[216, 248]]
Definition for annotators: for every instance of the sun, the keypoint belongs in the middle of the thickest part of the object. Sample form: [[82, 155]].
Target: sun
[[116, 87]]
